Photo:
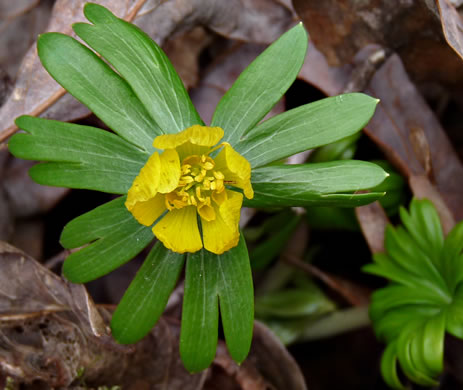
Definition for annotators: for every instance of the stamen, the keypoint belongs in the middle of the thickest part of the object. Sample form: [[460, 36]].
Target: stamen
[[198, 184]]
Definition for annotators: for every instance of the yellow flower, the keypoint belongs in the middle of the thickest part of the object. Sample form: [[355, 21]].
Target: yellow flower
[[185, 180]]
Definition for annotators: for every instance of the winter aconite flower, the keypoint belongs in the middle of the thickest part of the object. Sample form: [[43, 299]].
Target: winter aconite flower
[[179, 180], [185, 180]]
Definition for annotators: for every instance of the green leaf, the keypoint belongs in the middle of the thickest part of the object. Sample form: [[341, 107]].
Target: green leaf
[[143, 64], [261, 85], [389, 367], [344, 149], [200, 313], [266, 251], [293, 302], [236, 297], [306, 127], [90, 80], [321, 184], [424, 226], [145, 299], [209, 277], [452, 256], [393, 186], [425, 296], [115, 237], [81, 156]]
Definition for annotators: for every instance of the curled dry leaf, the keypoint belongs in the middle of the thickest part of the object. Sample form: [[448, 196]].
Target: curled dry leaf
[[45, 323]]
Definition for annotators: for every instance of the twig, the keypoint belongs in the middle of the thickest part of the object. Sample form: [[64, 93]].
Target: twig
[[131, 15], [52, 262], [355, 295]]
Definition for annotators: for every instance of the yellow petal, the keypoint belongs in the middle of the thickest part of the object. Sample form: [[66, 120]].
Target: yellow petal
[[206, 212], [145, 186], [219, 197], [170, 171], [146, 212], [222, 233], [194, 140], [178, 230], [236, 169]]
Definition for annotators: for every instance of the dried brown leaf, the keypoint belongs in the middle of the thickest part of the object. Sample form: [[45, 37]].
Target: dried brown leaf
[[412, 28], [402, 113], [20, 23], [50, 330], [317, 72], [35, 91], [373, 221], [261, 21], [452, 25]]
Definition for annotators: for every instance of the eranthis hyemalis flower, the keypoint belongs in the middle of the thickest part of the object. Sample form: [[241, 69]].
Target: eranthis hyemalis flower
[[185, 181]]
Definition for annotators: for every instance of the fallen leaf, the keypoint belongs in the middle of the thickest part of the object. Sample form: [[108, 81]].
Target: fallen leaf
[[317, 72], [20, 23], [35, 91], [260, 21], [339, 29], [52, 332], [402, 113], [452, 25]]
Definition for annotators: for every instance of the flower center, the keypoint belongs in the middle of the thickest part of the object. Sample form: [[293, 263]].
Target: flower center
[[199, 184]]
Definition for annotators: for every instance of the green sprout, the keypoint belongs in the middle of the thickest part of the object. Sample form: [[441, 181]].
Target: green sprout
[[425, 297], [141, 98]]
